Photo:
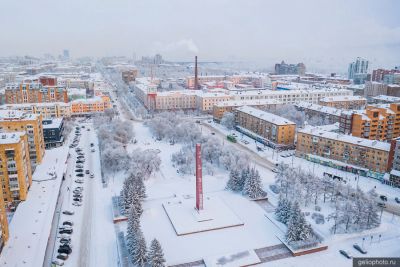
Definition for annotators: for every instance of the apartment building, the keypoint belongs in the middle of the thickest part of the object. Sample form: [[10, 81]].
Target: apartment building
[[17, 121], [206, 101], [89, 106], [223, 81], [377, 122], [344, 152], [47, 110], [15, 168], [394, 163], [3, 221], [129, 75], [329, 114], [34, 92], [273, 128], [344, 102], [172, 100], [372, 89], [228, 106]]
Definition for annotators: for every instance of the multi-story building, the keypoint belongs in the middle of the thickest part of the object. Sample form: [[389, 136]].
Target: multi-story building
[[377, 122], [392, 78], [344, 102], [374, 89], [393, 90], [358, 70], [228, 106], [47, 110], [206, 101], [89, 106], [15, 167], [379, 74], [34, 92], [344, 152], [273, 128], [129, 75], [3, 221], [394, 162], [53, 130], [295, 69], [17, 121], [226, 81]]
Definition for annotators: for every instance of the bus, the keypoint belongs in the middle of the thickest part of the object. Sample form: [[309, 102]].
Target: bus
[[231, 138]]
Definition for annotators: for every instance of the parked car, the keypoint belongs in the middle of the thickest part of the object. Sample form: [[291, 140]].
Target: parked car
[[79, 165], [80, 175], [92, 150], [65, 231], [77, 204], [62, 256], [80, 161], [79, 170], [87, 171], [65, 240], [345, 253], [88, 129], [360, 249], [212, 133], [64, 250], [68, 212], [91, 144], [78, 199], [79, 188], [397, 200], [381, 205], [79, 181], [66, 246], [383, 198], [58, 262], [92, 175]]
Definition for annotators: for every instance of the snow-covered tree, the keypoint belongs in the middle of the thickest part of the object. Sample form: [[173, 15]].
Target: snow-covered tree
[[298, 228], [156, 255], [252, 186], [283, 210], [139, 253], [235, 182], [228, 120]]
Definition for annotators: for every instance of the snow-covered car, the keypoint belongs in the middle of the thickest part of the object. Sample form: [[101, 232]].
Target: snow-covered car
[[65, 240], [79, 181], [79, 170], [58, 262], [68, 212], [275, 170], [92, 175], [66, 231], [78, 199], [77, 204], [62, 256], [68, 223], [92, 150], [345, 253], [397, 200], [383, 198], [64, 250], [360, 249], [80, 175], [79, 166], [87, 171]]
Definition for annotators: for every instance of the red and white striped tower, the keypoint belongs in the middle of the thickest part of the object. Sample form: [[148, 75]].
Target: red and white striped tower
[[199, 179]]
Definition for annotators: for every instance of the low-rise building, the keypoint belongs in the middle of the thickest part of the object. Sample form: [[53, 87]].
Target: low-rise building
[[273, 128], [53, 132], [81, 107], [344, 152], [47, 110], [17, 121], [15, 171], [228, 106], [344, 102]]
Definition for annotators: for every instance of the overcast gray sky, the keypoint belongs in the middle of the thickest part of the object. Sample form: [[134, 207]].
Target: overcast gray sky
[[317, 32]]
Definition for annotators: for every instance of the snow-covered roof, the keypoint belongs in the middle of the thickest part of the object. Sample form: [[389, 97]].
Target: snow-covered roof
[[316, 131], [320, 108], [343, 98], [387, 98], [8, 115], [266, 116], [254, 102], [53, 123], [10, 138]]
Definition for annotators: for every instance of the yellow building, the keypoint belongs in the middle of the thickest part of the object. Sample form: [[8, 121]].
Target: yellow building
[[3, 221], [345, 152], [377, 123], [47, 110], [89, 106], [273, 128], [15, 171], [16, 121]]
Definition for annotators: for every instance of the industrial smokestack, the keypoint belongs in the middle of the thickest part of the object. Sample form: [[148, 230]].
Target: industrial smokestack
[[199, 179], [196, 82]]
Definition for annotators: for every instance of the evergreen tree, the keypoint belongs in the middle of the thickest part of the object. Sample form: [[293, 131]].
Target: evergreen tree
[[132, 228], [283, 210], [156, 255], [252, 186], [140, 187], [291, 232], [235, 181], [243, 177], [139, 253]]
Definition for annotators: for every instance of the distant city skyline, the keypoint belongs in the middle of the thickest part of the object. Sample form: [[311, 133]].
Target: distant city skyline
[[323, 35]]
